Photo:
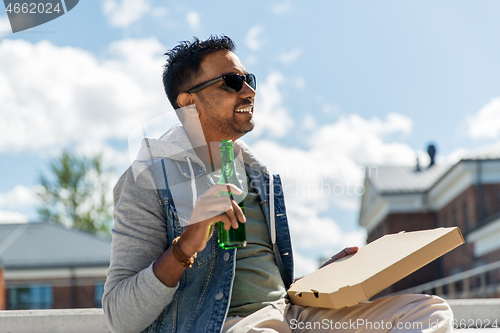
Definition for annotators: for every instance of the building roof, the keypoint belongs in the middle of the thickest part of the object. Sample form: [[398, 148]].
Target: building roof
[[44, 245], [398, 179], [405, 179], [491, 152]]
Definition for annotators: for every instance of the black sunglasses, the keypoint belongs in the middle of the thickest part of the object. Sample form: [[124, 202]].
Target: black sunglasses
[[232, 82]]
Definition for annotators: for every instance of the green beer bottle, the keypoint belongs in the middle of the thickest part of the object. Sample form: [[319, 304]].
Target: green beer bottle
[[232, 238]]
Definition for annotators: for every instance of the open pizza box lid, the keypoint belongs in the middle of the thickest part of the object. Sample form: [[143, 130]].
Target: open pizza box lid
[[373, 268]]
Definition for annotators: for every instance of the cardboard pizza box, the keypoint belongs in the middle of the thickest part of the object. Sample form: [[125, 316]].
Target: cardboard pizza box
[[373, 268]]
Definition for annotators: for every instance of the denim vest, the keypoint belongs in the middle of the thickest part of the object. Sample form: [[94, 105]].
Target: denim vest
[[202, 299]]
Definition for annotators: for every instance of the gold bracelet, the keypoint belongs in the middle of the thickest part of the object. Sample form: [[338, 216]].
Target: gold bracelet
[[185, 260]]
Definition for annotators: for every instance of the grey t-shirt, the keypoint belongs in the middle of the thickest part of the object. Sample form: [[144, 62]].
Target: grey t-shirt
[[257, 280]]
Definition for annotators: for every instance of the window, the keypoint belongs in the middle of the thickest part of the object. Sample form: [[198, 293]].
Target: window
[[98, 291], [33, 296]]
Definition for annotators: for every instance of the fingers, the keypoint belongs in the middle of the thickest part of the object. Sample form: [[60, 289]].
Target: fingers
[[228, 223], [211, 204], [350, 250], [233, 222], [232, 216], [215, 189], [218, 209], [344, 253], [239, 212], [208, 208]]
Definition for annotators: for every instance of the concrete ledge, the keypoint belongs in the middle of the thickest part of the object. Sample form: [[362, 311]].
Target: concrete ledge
[[478, 312], [470, 311], [54, 321]]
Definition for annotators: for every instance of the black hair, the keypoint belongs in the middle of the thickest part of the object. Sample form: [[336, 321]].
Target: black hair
[[184, 60]]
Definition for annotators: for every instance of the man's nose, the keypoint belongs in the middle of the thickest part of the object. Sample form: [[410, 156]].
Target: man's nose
[[247, 91]]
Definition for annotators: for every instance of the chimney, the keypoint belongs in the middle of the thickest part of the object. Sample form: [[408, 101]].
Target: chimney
[[431, 150], [417, 167]]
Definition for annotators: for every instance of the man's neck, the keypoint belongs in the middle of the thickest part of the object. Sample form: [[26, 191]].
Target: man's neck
[[209, 155], [206, 148], [208, 152]]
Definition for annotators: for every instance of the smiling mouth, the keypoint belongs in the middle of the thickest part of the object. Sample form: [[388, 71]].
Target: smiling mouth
[[247, 109]]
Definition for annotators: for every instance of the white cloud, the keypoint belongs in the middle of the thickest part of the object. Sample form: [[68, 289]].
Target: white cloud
[[252, 39], [282, 8], [5, 28], [269, 110], [289, 57], [159, 12], [17, 198], [17, 204], [486, 123], [452, 158], [317, 237], [309, 123], [125, 12], [57, 96], [193, 19], [361, 140], [304, 265], [312, 232], [119, 160], [12, 217]]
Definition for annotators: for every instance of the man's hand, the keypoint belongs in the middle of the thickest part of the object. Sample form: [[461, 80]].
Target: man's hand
[[345, 252], [208, 210]]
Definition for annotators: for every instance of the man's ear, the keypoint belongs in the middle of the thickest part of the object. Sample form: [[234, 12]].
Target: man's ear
[[184, 99]]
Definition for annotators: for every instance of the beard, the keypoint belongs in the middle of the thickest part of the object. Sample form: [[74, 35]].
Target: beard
[[222, 121], [232, 127]]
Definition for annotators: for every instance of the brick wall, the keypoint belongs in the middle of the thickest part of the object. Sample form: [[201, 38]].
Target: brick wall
[[65, 296], [3, 298], [394, 223], [73, 297], [466, 211], [462, 211], [490, 194], [489, 257]]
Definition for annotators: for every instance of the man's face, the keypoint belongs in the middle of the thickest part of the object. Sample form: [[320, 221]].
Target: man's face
[[223, 115]]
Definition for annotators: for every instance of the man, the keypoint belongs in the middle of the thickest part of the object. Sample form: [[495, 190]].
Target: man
[[167, 273]]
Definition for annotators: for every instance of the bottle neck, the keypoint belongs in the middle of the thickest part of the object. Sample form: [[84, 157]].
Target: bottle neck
[[226, 155], [226, 150], [228, 170]]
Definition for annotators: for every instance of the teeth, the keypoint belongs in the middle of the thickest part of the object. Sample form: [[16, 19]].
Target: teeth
[[247, 109]]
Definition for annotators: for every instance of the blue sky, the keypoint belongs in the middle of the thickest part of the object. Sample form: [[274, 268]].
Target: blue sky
[[341, 85]]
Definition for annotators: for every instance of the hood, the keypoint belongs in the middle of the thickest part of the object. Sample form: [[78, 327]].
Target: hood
[[174, 144]]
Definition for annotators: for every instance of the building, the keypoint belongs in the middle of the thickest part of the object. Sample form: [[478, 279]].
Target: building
[[47, 266], [466, 194]]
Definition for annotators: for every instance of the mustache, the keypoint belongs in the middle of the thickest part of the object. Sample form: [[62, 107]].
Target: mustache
[[246, 102]]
